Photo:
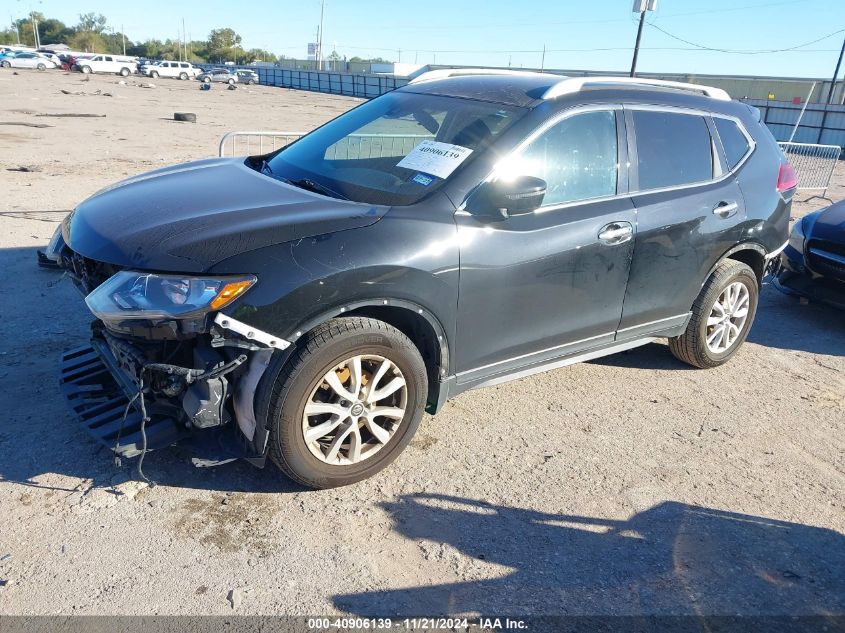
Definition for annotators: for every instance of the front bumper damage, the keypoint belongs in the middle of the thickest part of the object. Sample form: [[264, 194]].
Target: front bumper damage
[[203, 400]]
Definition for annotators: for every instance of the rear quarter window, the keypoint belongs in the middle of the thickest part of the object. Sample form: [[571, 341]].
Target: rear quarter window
[[673, 149], [734, 142]]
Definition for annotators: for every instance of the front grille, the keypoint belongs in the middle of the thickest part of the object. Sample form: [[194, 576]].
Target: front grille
[[826, 258], [827, 246]]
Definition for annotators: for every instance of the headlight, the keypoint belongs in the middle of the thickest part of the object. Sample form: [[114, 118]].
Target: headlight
[[796, 237], [136, 295]]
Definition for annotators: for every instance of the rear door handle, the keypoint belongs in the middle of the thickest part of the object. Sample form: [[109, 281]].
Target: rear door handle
[[616, 233], [725, 209]]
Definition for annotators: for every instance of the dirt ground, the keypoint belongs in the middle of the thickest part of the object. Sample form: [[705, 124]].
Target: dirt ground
[[628, 485]]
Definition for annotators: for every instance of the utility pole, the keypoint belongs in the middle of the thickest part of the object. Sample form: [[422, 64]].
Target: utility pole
[[641, 7], [835, 74], [543, 59], [35, 38], [184, 40], [123, 35], [17, 30], [320, 36]]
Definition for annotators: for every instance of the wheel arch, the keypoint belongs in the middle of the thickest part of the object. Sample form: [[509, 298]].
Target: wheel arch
[[415, 321], [753, 254]]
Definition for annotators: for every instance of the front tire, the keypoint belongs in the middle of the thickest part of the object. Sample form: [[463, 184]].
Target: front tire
[[721, 317], [183, 76], [154, 75], [231, 82], [86, 70], [345, 404], [41, 67]]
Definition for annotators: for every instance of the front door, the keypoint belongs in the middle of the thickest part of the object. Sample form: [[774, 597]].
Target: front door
[[550, 283]]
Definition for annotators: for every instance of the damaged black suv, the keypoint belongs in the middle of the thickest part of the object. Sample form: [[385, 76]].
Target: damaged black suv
[[469, 228]]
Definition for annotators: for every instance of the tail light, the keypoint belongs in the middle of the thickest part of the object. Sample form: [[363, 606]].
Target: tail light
[[787, 178]]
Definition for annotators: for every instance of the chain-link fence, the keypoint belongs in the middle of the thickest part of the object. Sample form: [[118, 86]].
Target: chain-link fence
[[813, 163]]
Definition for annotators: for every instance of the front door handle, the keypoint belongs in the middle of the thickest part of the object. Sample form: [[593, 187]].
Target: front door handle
[[725, 209], [616, 233]]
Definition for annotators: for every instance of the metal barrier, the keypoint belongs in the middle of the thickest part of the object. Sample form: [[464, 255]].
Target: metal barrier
[[813, 163], [274, 141], [352, 147]]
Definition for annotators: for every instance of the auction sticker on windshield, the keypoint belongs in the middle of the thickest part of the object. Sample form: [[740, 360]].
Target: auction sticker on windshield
[[435, 158]]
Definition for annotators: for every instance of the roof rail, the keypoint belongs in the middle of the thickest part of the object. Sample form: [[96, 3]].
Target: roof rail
[[571, 85], [443, 73]]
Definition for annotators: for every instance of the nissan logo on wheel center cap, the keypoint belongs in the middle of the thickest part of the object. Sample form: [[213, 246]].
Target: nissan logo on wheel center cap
[[357, 409]]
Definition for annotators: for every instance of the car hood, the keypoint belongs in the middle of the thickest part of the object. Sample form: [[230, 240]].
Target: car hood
[[830, 224], [189, 217]]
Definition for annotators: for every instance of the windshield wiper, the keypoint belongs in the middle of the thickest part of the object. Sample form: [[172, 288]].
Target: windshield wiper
[[265, 168], [316, 187]]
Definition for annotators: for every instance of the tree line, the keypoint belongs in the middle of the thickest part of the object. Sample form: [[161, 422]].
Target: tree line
[[92, 34]]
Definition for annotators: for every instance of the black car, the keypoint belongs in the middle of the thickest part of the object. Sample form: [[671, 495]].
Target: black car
[[813, 263], [467, 229]]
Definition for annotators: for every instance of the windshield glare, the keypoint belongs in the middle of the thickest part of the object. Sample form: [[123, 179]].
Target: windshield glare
[[395, 149]]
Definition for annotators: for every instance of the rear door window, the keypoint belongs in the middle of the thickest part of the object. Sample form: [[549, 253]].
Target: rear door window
[[734, 142], [673, 149]]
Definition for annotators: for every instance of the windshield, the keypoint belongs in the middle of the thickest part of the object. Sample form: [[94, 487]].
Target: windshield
[[393, 150]]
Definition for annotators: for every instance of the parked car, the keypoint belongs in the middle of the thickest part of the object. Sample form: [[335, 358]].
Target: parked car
[[176, 70], [27, 60], [813, 263], [218, 74], [115, 64], [309, 304], [248, 77]]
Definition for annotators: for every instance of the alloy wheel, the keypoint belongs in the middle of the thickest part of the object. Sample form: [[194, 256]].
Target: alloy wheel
[[727, 317], [354, 410]]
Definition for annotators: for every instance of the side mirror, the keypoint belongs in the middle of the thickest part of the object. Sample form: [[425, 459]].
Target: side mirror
[[501, 199]]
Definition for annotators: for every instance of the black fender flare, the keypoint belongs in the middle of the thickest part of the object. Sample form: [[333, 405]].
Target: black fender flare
[[346, 308], [742, 246]]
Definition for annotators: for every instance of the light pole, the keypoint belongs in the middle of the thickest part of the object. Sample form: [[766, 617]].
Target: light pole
[[17, 30], [320, 36], [640, 6]]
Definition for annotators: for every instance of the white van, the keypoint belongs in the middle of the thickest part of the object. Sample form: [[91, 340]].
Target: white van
[[117, 64], [180, 70]]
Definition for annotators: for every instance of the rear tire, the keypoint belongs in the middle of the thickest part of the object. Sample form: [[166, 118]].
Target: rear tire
[[41, 67], [231, 82], [153, 75], [206, 80], [330, 351], [183, 76], [722, 315], [124, 72], [6, 64], [86, 70]]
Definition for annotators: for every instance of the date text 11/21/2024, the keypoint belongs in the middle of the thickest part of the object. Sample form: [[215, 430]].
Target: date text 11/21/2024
[[420, 623]]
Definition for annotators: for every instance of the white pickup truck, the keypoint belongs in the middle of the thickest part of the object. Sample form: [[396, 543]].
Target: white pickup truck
[[166, 68], [116, 64]]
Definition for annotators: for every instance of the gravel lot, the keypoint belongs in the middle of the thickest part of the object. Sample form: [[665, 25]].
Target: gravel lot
[[628, 485]]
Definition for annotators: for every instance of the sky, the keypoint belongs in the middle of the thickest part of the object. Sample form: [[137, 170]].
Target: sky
[[587, 34]]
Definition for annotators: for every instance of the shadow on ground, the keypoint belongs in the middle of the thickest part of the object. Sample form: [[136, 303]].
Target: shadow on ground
[[782, 322], [672, 559]]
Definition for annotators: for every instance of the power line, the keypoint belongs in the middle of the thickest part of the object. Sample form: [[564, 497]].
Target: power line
[[746, 51]]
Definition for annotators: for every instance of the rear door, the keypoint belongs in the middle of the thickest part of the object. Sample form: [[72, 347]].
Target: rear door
[[689, 212], [550, 283]]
